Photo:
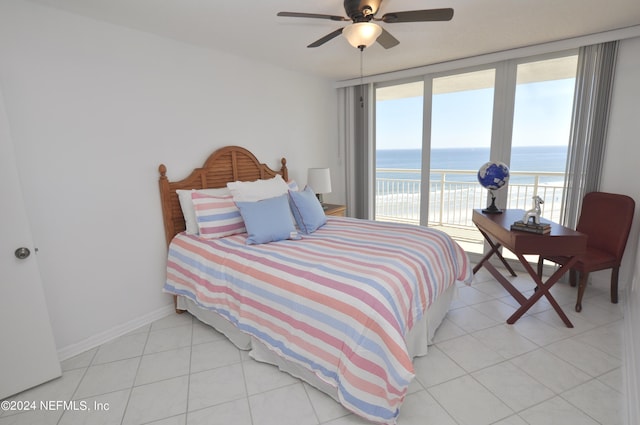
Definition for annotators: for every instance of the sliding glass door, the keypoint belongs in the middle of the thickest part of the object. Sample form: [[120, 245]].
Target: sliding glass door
[[433, 135], [541, 126], [399, 121], [460, 141]]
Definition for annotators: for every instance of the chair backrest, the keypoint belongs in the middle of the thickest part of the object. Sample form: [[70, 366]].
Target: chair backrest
[[606, 218]]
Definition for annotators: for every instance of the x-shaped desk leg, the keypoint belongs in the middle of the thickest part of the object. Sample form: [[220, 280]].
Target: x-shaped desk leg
[[495, 249], [542, 289]]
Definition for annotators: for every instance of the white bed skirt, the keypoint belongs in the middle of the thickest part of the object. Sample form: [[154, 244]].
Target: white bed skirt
[[419, 338]]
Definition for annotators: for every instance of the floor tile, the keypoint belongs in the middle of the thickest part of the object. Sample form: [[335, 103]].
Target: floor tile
[[125, 347], [584, 356], [606, 338], [538, 331], [349, 420], [109, 377], [512, 420], [505, 340], [421, 408], [556, 411], [163, 365], [233, 412], [326, 408], [436, 368], [213, 354], [216, 386], [551, 371], [33, 417], [447, 330], [580, 324], [289, 405], [105, 409], [513, 386], [470, 295], [491, 287], [470, 319], [598, 400], [262, 377], [497, 310], [168, 339], [613, 379], [601, 311], [469, 353], [480, 370], [80, 361], [171, 321], [469, 403], [61, 388], [204, 333], [156, 401], [173, 420]]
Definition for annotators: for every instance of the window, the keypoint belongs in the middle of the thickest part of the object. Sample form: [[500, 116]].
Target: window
[[433, 135]]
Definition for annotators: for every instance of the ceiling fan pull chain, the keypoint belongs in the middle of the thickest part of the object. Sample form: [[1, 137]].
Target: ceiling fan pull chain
[[361, 78]]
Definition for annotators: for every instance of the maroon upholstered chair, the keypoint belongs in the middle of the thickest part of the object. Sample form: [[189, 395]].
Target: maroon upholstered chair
[[606, 219]]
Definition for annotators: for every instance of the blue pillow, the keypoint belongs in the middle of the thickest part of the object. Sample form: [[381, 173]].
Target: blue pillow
[[307, 210], [268, 220]]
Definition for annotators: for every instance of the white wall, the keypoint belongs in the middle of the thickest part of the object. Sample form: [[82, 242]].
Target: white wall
[[620, 175], [94, 109]]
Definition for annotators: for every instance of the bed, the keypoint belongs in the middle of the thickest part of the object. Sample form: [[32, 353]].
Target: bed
[[345, 307]]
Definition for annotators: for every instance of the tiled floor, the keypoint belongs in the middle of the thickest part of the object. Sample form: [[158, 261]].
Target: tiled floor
[[480, 371]]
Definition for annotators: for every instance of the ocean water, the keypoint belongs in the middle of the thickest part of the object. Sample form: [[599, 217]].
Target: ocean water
[[525, 158], [398, 193]]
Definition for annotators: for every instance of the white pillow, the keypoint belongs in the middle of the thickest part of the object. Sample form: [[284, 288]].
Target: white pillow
[[186, 205], [258, 190]]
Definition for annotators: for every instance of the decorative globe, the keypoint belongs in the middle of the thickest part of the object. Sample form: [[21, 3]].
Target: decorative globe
[[493, 175]]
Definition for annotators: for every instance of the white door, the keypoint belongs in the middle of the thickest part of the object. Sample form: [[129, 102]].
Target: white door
[[28, 354]]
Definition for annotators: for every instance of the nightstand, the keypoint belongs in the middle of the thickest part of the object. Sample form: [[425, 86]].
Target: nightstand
[[335, 210]]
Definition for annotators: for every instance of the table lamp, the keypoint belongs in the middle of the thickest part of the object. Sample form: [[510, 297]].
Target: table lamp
[[319, 180]]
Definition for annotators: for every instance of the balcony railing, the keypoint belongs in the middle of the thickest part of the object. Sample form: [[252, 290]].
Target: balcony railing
[[453, 194]]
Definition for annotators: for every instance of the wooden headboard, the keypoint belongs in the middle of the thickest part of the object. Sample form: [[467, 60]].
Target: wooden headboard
[[228, 164]]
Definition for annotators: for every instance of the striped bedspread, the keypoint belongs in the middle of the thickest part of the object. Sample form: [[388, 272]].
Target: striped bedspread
[[337, 302]]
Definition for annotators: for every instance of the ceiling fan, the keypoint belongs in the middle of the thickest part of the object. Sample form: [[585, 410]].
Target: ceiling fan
[[363, 32]]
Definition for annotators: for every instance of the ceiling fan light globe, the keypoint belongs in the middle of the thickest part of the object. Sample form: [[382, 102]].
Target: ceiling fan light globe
[[362, 34]]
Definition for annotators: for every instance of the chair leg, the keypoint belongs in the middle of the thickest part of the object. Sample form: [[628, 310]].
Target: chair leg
[[584, 276], [614, 285], [572, 277]]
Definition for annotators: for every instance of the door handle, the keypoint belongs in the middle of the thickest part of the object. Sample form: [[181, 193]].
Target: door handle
[[22, 253]]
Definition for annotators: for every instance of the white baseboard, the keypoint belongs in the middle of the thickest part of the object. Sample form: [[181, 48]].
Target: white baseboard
[[110, 334]]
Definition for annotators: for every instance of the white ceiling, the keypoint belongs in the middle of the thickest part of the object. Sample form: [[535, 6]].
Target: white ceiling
[[252, 29]]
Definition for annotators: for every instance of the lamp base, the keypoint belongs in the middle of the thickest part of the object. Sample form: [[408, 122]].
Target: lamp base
[[492, 209]]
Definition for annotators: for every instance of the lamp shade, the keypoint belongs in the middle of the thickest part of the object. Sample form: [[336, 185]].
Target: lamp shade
[[319, 179], [362, 33]]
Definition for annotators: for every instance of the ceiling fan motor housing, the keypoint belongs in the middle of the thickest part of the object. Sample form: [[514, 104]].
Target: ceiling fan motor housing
[[361, 10]]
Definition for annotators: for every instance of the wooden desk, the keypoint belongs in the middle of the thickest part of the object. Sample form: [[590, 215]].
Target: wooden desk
[[496, 229]]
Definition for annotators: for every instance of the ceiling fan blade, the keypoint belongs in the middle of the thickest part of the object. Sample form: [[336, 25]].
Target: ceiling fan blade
[[418, 16], [312, 15], [326, 38], [386, 40]]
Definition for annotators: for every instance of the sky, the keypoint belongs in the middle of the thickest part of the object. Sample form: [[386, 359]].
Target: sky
[[463, 119]]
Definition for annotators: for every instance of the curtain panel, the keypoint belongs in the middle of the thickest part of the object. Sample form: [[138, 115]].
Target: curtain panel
[[355, 123], [587, 140]]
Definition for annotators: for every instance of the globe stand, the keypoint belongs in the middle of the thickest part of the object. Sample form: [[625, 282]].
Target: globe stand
[[492, 209]]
